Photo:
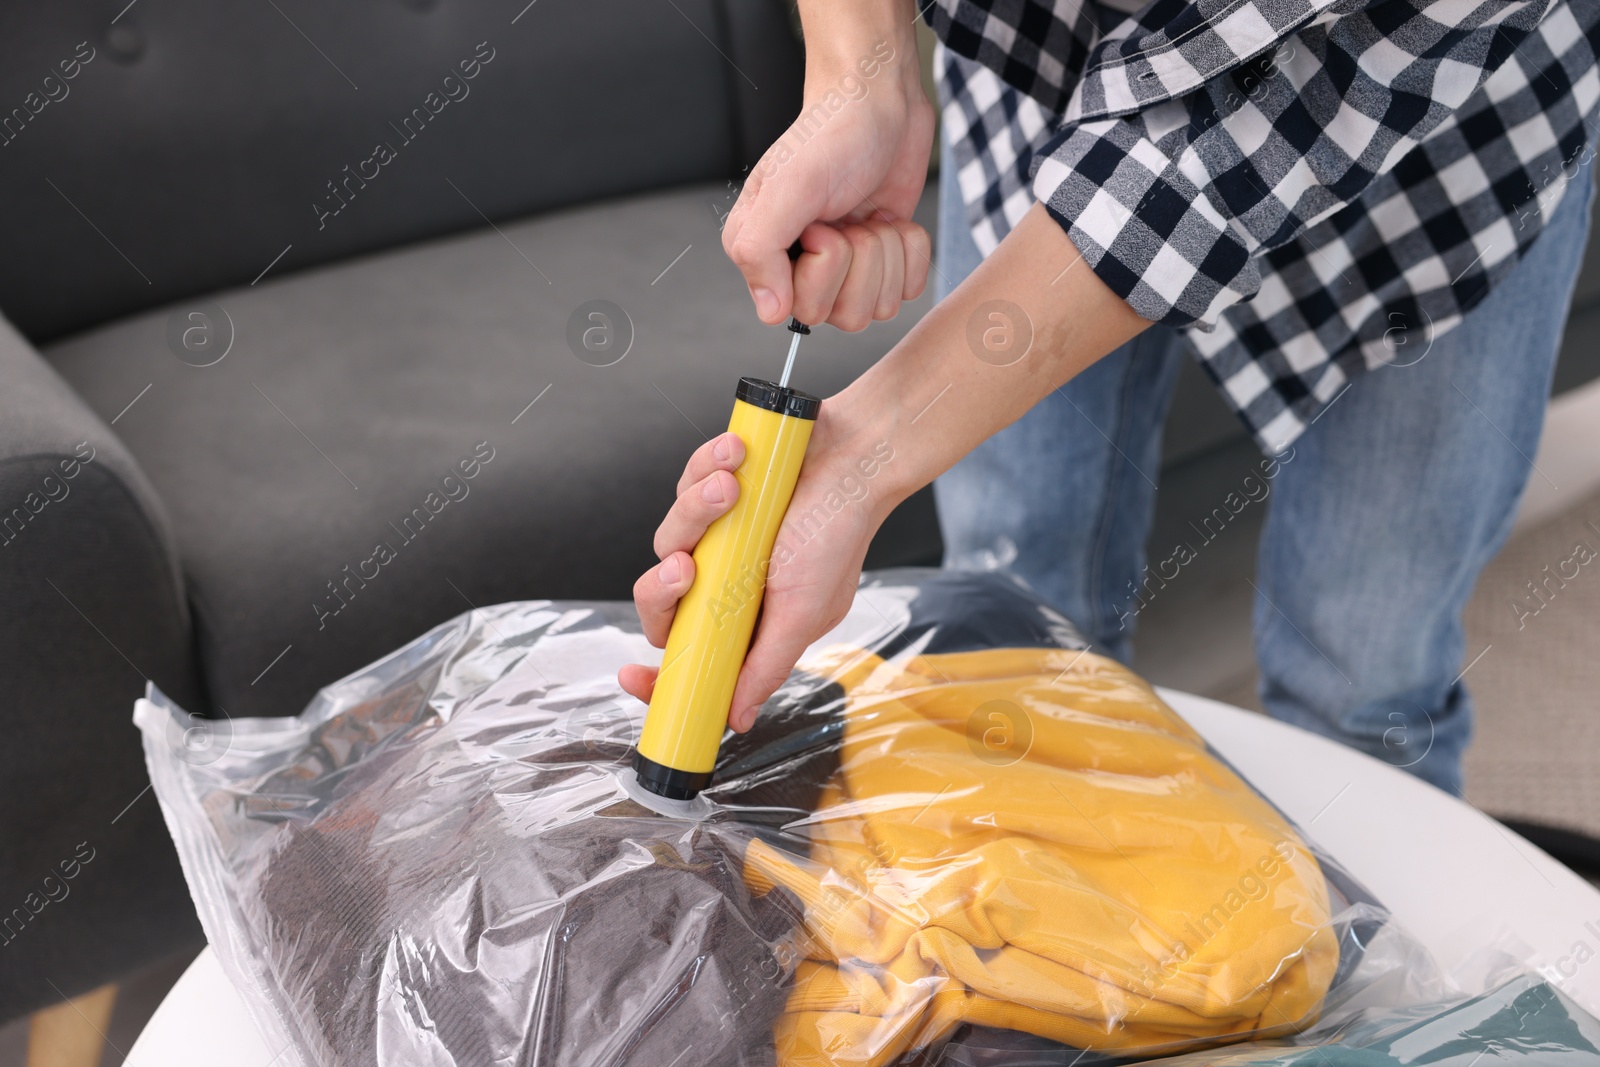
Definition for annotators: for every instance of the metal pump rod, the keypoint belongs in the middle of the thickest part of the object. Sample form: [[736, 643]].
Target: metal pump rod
[[799, 329]]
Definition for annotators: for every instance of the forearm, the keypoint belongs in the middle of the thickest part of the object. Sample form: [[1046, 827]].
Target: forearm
[[834, 29], [850, 42], [940, 392]]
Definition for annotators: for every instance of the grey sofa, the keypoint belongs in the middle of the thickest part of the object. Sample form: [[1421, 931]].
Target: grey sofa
[[273, 401]]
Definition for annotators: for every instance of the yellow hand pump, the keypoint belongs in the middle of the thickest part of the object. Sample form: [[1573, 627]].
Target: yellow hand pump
[[711, 632]]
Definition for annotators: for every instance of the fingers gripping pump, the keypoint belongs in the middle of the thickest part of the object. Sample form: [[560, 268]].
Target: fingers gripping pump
[[711, 632]]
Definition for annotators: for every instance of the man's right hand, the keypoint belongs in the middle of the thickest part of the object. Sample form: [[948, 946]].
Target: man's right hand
[[845, 177]]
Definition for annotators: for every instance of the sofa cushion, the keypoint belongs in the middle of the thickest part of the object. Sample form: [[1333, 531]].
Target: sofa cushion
[[381, 444]]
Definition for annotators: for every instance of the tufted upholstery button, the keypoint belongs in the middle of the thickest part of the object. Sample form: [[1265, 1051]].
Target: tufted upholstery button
[[125, 42]]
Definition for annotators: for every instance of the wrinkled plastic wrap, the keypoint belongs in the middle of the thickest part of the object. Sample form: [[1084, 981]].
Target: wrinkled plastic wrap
[[953, 836], [1522, 1021]]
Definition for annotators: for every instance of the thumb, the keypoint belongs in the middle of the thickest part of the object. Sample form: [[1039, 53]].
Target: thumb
[[776, 205]]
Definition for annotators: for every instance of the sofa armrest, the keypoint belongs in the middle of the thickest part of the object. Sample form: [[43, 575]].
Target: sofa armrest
[[91, 605]]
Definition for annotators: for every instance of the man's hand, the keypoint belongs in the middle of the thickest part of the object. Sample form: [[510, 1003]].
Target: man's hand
[[815, 566], [844, 179]]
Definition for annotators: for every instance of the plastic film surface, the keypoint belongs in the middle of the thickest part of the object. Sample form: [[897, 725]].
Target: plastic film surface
[[954, 837], [1520, 1020]]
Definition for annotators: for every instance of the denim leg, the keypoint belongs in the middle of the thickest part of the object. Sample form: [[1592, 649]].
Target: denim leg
[[1390, 505], [957, 254], [1063, 498]]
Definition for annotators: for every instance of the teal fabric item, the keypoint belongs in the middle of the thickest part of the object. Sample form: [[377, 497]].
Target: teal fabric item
[[1525, 1021]]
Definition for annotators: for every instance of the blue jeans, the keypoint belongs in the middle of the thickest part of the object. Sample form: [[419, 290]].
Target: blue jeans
[[1378, 522]]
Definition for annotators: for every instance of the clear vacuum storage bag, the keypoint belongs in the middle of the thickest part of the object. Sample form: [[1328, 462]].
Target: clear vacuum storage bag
[[954, 836]]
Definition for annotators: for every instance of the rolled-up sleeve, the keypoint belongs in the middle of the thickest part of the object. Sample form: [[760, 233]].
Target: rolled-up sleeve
[[1173, 179]]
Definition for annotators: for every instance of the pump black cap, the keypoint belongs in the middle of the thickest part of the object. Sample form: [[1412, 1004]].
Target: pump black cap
[[667, 781], [780, 398]]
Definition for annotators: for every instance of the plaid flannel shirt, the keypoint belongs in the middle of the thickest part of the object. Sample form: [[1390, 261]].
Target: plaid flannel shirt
[[1307, 188]]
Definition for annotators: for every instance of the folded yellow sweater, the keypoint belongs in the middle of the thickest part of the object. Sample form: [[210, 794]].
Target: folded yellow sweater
[[1032, 839]]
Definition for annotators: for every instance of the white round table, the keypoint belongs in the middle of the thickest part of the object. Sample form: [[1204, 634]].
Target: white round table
[[1455, 878]]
